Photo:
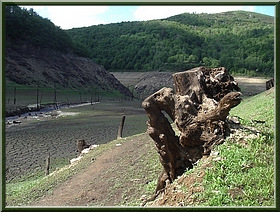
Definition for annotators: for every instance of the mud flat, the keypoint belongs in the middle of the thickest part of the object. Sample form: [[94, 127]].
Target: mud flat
[[146, 83], [28, 143], [251, 85]]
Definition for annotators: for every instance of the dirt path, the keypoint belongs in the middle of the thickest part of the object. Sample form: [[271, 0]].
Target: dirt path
[[81, 189], [95, 185]]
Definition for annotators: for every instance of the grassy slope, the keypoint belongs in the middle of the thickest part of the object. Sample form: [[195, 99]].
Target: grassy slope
[[245, 175], [259, 107], [247, 171]]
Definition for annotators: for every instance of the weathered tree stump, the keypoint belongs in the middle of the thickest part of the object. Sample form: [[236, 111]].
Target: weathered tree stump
[[81, 145], [269, 84], [203, 99]]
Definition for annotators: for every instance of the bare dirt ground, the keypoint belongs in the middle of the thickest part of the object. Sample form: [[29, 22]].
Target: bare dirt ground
[[192, 184], [28, 143], [96, 186]]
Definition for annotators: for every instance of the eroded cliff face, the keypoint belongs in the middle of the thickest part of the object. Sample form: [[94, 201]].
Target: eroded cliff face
[[28, 64]]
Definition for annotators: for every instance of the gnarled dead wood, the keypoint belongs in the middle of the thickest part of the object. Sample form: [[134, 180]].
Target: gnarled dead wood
[[203, 99]]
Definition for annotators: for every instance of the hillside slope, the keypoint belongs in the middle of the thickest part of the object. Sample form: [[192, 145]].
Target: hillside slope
[[144, 84], [28, 64], [241, 41], [37, 51]]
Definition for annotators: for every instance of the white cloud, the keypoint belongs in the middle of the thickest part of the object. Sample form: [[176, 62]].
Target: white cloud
[[68, 17], [75, 16], [144, 13]]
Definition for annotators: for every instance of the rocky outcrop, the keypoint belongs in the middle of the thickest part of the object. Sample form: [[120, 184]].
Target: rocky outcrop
[[152, 82]]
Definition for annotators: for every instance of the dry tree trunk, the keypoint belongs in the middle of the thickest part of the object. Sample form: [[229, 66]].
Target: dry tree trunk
[[199, 108]]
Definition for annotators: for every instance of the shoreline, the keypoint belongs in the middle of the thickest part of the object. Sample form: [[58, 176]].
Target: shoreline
[[32, 110]]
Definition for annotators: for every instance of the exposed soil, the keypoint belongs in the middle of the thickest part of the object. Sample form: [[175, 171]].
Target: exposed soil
[[251, 86], [182, 191], [28, 143], [144, 84], [95, 185], [29, 65]]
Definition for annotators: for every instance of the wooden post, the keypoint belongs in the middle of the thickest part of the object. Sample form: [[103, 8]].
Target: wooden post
[[67, 101], [48, 159], [81, 97], [38, 95], [121, 128], [80, 145], [41, 97], [269, 84], [55, 100], [15, 89]]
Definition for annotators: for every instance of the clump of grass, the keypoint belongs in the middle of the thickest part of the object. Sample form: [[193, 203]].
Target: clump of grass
[[244, 177]]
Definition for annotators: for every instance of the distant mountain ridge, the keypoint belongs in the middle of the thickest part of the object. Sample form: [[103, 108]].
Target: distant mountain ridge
[[243, 42]]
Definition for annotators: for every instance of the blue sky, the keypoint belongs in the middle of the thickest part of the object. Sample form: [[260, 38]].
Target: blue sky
[[68, 17]]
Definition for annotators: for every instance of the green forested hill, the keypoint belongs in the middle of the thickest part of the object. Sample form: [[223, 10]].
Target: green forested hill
[[241, 41], [26, 27]]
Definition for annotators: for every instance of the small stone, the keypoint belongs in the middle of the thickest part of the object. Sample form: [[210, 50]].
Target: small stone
[[143, 197], [233, 120], [217, 158], [214, 153]]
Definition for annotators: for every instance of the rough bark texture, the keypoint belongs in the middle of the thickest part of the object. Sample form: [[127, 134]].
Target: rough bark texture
[[203, 99], [81, 145], [269, 84]]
